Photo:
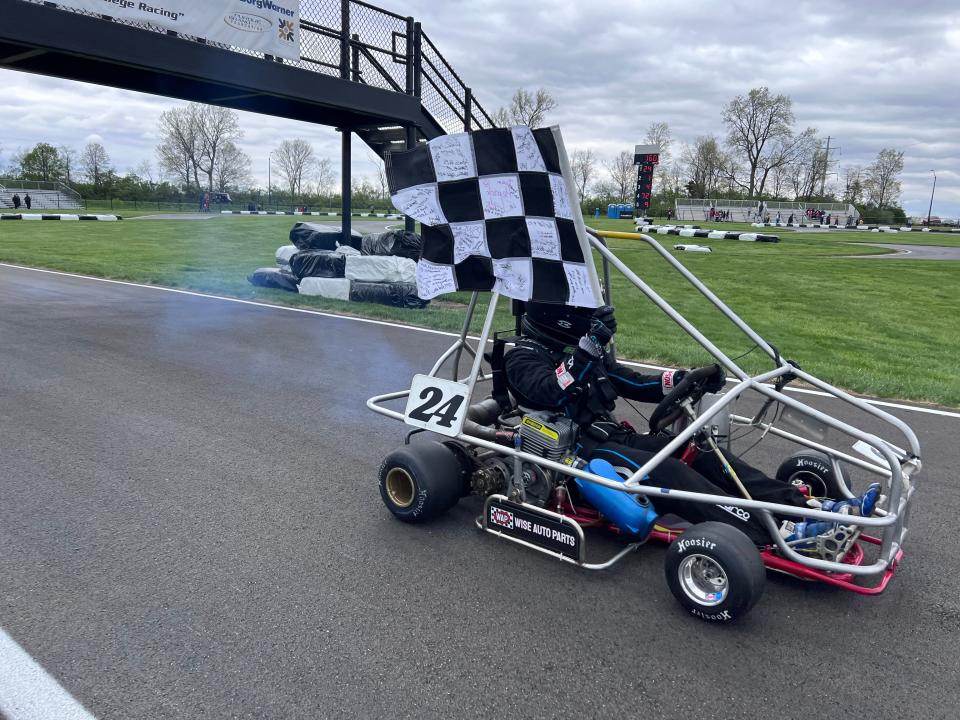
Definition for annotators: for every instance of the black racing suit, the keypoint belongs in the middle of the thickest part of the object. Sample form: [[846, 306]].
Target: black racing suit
[[585, 389]]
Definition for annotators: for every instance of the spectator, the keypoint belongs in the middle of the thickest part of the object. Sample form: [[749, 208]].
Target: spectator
[[829, 218], [790, 219], [16, 201], [778, 217], [206, 202], [27, 201]]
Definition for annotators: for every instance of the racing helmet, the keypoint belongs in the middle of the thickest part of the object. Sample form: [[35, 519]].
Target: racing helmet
[[554, 324]]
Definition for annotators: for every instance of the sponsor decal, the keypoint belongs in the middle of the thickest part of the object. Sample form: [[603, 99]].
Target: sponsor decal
[[247, 22], [525, 524], [565, 324], [286, 31], [813, 464], [501, 517], [684, 544], [737, 512], [722, 615], [564, 378], [666, 381]]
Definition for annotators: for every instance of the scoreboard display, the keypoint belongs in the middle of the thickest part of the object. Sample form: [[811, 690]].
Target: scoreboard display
[[644, 186], [646, 158]]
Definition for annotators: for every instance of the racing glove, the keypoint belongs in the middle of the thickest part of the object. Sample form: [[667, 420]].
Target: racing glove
[[712, 377], [603, 325]]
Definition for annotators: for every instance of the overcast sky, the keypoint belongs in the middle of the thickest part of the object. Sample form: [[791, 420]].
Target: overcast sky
[[871, 74]]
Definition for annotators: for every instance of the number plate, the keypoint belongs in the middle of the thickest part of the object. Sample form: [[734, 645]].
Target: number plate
[[436, 405], [539, 529]]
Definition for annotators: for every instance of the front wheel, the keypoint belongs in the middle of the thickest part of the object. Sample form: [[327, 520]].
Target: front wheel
[[715, 572], [420, 482]]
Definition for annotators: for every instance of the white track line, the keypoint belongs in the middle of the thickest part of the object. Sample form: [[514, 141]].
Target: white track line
[[321, 313], [28, 692]]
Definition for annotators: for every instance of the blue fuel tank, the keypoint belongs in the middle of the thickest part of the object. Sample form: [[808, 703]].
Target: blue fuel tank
[[630, 513]]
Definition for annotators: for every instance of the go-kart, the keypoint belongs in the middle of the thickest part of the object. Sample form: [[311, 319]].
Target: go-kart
[[539, 494]]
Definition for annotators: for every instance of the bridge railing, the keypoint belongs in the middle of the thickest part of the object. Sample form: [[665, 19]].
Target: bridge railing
[[362, 43]]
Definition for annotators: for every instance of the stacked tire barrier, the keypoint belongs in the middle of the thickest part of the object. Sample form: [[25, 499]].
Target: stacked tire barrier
[[379, 268], [65, 217], [695, 232], [860, 228], [386, 216]]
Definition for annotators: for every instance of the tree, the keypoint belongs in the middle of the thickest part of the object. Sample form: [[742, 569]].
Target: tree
[[381, 176], [621, 171], [324, 173], [217, 129], [95, 164], [853, 185], [231, 169], [295, 160], [179, 144], [526, 108], [191, 140], [882, 183], [69, 157], [658, 133], [42, 162], [706, 164], [760, 128], [583, 165]]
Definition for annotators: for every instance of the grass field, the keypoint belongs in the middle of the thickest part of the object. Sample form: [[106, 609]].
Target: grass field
[[886, 328]]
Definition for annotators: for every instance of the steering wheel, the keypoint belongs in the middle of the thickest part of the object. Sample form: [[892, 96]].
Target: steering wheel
[[669, 409]]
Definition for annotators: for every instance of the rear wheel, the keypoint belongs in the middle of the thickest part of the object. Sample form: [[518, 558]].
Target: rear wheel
[[715, 572], [420, 482], [815, 470]]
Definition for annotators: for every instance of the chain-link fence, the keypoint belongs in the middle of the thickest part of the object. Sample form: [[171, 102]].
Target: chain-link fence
[[378, 53]]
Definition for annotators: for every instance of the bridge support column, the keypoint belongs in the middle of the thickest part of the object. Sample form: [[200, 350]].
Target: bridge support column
[[409, 224], [346, 206]]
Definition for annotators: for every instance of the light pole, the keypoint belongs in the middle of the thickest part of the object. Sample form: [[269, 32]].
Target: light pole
[[930, 209], [269, 183]]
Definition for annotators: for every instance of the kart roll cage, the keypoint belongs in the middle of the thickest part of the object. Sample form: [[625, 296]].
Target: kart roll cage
[[895, 469]]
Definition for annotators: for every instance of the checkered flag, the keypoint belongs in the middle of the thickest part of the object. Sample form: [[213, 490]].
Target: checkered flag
[[499, 213]]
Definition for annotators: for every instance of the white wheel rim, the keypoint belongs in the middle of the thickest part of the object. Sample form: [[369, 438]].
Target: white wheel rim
[[703, 580]]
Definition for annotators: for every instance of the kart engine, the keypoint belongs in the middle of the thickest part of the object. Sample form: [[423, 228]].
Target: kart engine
[[546, 434]]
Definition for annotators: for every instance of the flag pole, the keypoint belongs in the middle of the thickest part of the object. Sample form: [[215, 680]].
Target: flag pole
[[578, 223]]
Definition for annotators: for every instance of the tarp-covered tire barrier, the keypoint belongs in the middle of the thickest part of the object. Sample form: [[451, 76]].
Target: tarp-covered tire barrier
[[318, 263], [271, 277], [399, 294], [321, 236], [400, 243], [377, 268], [284, 253], [335, 288]]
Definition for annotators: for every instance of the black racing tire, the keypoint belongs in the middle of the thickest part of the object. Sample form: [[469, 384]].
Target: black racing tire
[[814, 469], [715, 572], [421, 481]]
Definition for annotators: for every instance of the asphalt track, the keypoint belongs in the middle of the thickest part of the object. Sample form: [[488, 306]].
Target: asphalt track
[[190, 527]]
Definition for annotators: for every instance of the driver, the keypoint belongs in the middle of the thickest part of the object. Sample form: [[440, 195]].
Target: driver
[[562, 363]]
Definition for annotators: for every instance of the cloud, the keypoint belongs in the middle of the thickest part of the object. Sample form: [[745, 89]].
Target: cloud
[[868, 74]]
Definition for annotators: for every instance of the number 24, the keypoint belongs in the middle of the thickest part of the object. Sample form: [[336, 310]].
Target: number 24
[[445, 413]]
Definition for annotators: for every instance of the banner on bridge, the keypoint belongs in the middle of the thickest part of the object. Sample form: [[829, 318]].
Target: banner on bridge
[[267, 26]]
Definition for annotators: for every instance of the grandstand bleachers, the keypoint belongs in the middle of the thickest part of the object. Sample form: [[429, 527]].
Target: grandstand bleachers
[[746, 210], [43, 195]]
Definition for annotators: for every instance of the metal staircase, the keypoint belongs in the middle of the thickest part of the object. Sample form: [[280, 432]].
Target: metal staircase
[[382, 49]]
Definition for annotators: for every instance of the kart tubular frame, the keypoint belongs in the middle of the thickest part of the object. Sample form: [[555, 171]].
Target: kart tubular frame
[[890, 526]]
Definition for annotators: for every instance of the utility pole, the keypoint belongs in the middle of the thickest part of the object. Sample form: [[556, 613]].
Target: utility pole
[[269, 183], [930, 209]]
